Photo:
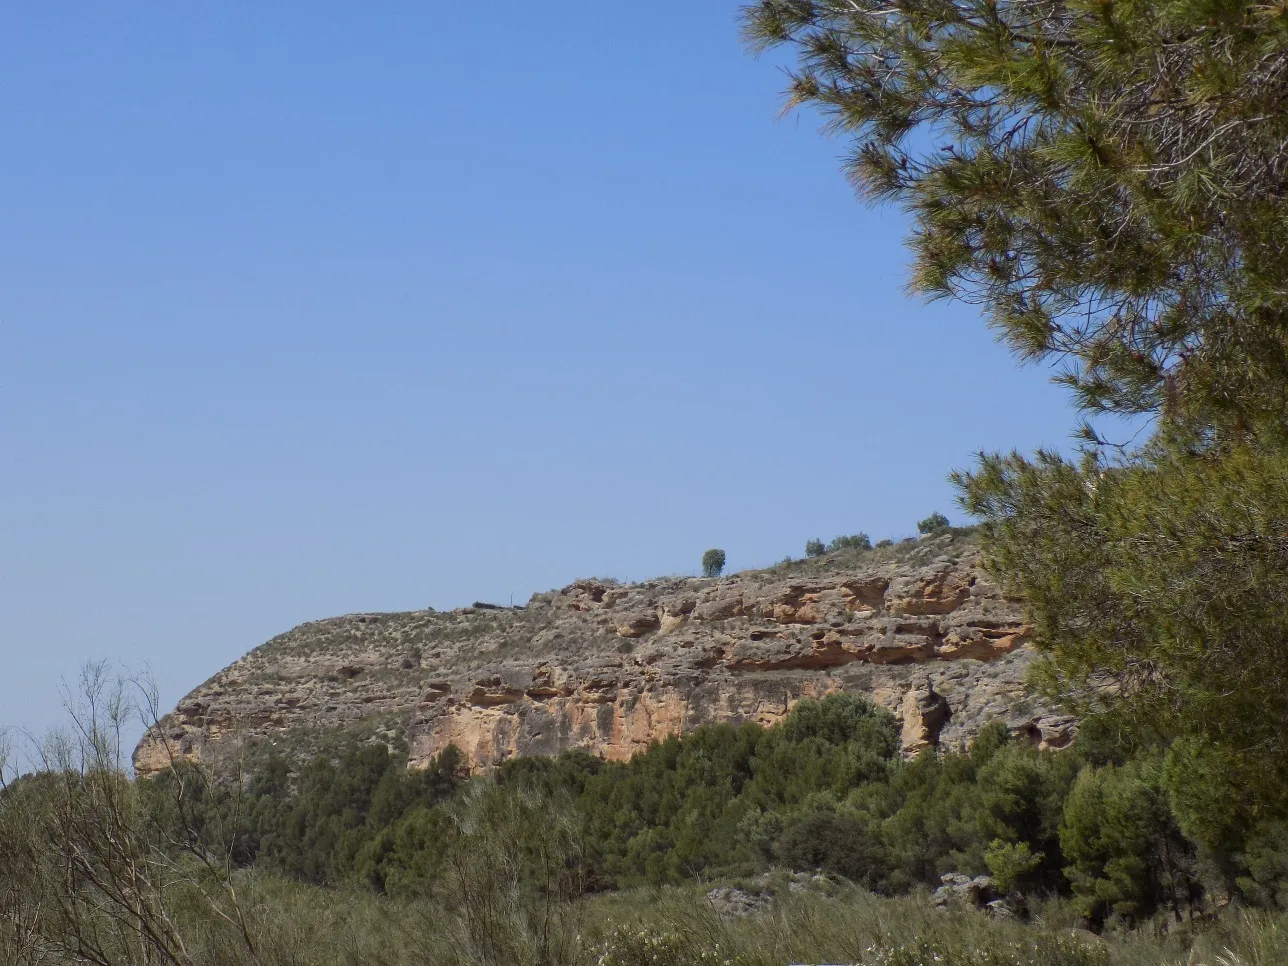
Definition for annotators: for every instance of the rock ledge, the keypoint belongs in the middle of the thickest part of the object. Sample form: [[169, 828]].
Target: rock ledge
[[612, 667]]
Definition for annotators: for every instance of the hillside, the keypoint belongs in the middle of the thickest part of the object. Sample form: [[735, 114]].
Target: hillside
[[610, 667]]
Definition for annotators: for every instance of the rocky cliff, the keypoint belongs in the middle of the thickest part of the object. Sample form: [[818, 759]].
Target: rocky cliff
[[612, 667]]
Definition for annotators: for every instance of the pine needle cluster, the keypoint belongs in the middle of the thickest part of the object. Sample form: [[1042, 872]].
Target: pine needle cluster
[[1106, 178]]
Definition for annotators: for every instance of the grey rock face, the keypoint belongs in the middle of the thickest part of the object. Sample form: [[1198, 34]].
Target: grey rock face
[[733, 901], [958, 889]]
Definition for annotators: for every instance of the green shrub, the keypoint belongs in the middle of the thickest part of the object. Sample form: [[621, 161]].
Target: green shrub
[[935, 523], [1266, 859], [855, 541], [515, 872], [1125, 856], [826, 788], [814, 548], [845, 844], [713, 562], [885, 542], [1011, 863]]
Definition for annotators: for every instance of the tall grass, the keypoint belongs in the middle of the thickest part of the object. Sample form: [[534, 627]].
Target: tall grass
[[855, 926], [298, 925]]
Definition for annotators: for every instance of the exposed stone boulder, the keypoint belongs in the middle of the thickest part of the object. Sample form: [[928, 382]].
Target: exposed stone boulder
[[637, 625], [958, 889], [924, 712], [979, 892], [732, 901]]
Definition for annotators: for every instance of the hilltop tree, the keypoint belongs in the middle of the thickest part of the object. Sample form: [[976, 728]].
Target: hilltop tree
[[932, 524], [1106, 180], [814, 548], [713, 562]]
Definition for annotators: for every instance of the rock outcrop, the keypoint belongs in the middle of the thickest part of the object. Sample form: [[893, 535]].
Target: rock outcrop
[[612, 667]]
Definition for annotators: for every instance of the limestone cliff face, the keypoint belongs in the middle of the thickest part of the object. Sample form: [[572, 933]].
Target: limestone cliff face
[[612, 667]]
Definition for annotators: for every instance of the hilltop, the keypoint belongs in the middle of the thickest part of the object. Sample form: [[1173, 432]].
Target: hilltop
[[919, 628]]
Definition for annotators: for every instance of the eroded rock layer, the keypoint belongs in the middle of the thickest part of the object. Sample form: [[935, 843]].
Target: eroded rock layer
[[612, 667]]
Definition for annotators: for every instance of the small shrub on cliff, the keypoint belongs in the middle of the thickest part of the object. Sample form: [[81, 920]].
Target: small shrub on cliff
[[935, 523], [814, 548], [855, 541], [713, 562]]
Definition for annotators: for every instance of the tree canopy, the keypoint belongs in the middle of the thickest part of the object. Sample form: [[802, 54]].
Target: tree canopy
[[713, 562], [1106, 178]]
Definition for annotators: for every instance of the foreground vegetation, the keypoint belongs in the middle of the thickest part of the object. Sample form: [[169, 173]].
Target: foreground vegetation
[[825, 790], [296, 925], [573, 860]]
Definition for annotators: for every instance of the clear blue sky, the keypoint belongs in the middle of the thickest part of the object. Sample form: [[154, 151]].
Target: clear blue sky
[[310, 309]]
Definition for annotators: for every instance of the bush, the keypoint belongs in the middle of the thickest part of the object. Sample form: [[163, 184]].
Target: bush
[[935, 523], [855, 541], [835, 842], [713, 562], [1266, 857], [88, 872], [814, 548], [1011, 864], [887, 542], [1126, 857]]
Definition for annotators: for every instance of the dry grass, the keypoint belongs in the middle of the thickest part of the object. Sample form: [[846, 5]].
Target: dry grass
[[305, 926]]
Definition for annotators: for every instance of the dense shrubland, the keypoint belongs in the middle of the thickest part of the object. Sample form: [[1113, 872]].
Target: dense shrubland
[[824, 790], [560, 860]]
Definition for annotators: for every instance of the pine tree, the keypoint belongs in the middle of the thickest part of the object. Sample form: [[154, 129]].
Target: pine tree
[[1107, 181], [1125, 856], [1159, 590]]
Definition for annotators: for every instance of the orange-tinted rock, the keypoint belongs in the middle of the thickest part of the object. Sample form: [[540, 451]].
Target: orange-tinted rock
[[637, 625], [924, 713], [941, 591], [612, 667]]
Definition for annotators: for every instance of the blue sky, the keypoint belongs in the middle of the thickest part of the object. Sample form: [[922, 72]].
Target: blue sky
[[315, 309]]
